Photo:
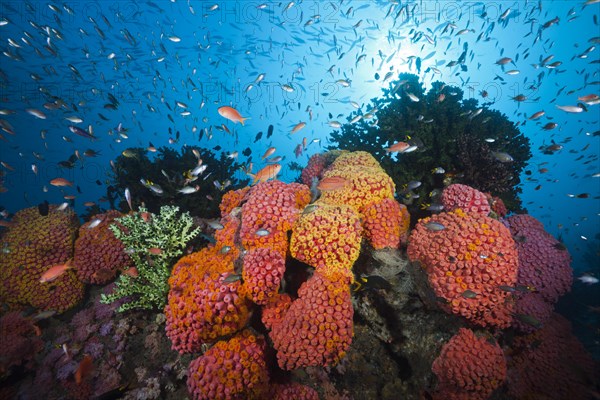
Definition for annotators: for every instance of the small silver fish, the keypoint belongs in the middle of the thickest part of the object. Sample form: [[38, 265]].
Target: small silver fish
[[232, 278], [225, 249], [413, 185], [94, 223], [309, 208], [216, 225], [469, 294], [128, 198], [435, 207], [528, 319], [189, 189], [44, 315], [262, 232], [502, 157], [434, 226], [588, 279]]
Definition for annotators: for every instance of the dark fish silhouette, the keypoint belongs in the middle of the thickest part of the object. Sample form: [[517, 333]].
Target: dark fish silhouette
[[44, 208]]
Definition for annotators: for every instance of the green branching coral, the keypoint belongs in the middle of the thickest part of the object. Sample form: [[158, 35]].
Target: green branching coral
[[153, 243]]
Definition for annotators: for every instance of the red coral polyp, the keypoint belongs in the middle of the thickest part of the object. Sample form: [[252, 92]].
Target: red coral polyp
[[467, 262], [317, 328], [466, 198], [99, 255], [232, 369], [469, 367], [262, 273], [34, 244]]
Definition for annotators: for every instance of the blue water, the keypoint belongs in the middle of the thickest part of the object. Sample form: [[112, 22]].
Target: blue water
[[152, 54]]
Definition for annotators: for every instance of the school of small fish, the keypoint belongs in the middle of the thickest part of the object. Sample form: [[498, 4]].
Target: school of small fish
[[78, 85]]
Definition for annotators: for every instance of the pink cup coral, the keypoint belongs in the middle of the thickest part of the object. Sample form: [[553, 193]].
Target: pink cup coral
[[469, 367], [468, 257]]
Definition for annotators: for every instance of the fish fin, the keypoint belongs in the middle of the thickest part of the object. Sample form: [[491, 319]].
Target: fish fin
[[253, 177], [242, 120]]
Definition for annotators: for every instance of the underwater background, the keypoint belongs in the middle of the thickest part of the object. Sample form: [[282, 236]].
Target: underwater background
[[100, 98]]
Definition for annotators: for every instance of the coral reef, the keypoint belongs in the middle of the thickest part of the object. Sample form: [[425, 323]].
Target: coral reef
[[293, 390], [314, 169], [99, 255], [466, 198], [213, 291], [469, 367], [262, 273], [269, 212], [534, 307], [231, 369], [316, 329], [328, 238], [549, 364], [382, 222], [467, 258], [153, 242], [202, 305], [366, 182], [20, 343], [117, 344], [328, 235], [32, 245], [544, 262], [498, 206]]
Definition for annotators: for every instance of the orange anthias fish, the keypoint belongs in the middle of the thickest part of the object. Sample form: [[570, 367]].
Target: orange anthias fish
[[589, 97], [268, 172], [332, 183], [145, 216], [298, 126], [269, 151], [85, 368], [6, 224], [55, 271], [397, 147], [232, 114], [132, 272], [61, 182]]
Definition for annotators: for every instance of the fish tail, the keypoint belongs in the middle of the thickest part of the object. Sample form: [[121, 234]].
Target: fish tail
[[242, 120]]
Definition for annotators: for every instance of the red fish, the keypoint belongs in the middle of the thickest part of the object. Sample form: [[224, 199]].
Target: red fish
[[84, 369], [61, 182], [268, 172], [145, 216], [397, 147], [55, 271], [132, 272], [298, 126], [6, 224], [298, 150], [231, 114], [332, 183]]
